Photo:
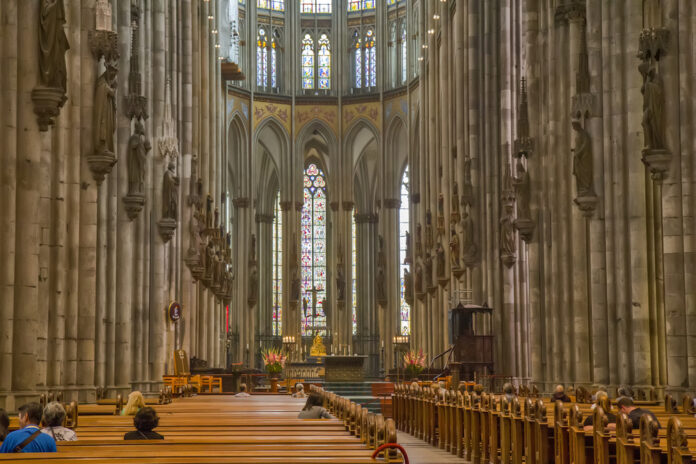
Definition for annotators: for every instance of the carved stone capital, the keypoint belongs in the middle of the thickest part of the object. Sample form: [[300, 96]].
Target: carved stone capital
[[366, 218], [658, 161], [508, 259], [298, 206], [133, 204], [587, 205], [241, 202], [285, 205], [348, 205], [166, 226], [103, 44], [47, 104], [264, 218], [392, 203], [334, 206], [571, 10], [653, 43], [525, 227], [524, 146], [101, 164]]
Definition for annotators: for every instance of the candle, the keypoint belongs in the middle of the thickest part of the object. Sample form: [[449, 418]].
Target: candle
[[382, 344], [247, 347]]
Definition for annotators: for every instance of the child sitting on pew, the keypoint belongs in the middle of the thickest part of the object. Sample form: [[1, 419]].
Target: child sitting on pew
[[53, 418], [145, 421], [314, 409], [134, 404]]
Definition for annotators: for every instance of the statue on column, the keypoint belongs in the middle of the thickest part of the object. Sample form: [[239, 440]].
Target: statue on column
[[429, 231], [418, 281], [428, 270], [522, 187], [380, 281], [170, 193], [195, 239], [419, 240], [454, 248], [209, 211], [252, 249], [253, 285], [340, 284], [105, 110], [408, 286], [407, 258], [209, 261], [508, 247], [469, 248], [138, 146], [582, 161], [653, 107], [53, 43], [440, 260]]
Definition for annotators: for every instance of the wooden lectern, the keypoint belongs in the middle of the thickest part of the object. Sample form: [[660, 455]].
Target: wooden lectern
[[473, 354]]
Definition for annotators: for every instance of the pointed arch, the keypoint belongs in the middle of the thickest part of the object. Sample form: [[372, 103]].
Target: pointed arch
[[237, 151], [362, 151], [272, 138]]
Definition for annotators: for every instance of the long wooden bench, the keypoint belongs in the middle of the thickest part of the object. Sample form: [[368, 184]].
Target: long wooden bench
[[228, 430]]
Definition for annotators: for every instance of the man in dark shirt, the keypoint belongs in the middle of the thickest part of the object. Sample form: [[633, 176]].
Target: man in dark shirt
[[29, 439], [145, 420], [633, 412], [588, 425]]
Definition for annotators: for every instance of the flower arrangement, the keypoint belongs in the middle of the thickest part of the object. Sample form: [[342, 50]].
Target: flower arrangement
[[414, 362], [273, 361]]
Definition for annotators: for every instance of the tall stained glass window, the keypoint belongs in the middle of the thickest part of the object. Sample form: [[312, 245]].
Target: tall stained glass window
[[354, 275], [405, 309], [261, 58], [324, 62], [315, 6], [357, 60], [274, 64], [404, 50], [277, 251], [276, 5], [307, 62], [358, 5], [370, 59], [313, 259]]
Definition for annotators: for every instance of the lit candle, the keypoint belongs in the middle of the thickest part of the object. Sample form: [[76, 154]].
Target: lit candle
[[247, 347]]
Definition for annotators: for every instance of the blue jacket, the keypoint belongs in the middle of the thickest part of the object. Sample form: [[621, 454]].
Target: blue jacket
[[41, 444]]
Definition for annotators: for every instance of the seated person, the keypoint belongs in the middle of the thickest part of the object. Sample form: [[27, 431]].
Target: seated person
[[624, 390], [134, 404], [4, 424], [145, 420], [242, 391], [509, 391], [314, 409], [53, 418], [588, 425], [29, 439], [633, 412], [299, 391], [560, 395]]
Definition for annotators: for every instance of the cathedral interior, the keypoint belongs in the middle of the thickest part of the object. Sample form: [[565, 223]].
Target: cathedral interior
[[227, 176]]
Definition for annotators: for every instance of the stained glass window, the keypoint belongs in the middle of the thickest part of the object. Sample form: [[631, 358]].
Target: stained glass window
[[315, 6], [354, 276], [307, 62], [313, 258], [324, 62], [370, 59], [405, 309], [261, 58], [357, 60], [277, 251], [357, 5], [404, 50], [276, 5]]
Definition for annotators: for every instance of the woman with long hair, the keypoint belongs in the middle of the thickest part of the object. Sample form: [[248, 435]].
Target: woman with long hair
[[134, 404], [314, 409]]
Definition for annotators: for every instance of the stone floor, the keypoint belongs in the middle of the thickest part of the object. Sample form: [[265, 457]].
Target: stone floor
[[420, 452]]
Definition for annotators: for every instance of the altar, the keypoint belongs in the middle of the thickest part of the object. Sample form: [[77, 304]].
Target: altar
[[339, 368]]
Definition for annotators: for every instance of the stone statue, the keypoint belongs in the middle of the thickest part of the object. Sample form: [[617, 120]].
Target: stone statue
[[138, 146], [419, 240], [440, 260], [195, 239], [217, 269], [253, 284], [428, 231], [469, 248], [454, 248], [428, 270], [522, 188], [170, 193], [105, 110], [408, 285], [582, 161], [209, 211], [380, 282], [53, 43], [455, 200], [295, 284], [209, 260], [252, 249], [407, 258], [419, 275], [507, 232], [441, 212], [340, 284], [653, 108]]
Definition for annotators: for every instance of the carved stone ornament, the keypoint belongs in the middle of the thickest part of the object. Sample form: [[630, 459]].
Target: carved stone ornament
[[166, 226], [583, 170], [133, 203], [168, 143], [587, 204], [524, 144], [47, 104], [104, 44]]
